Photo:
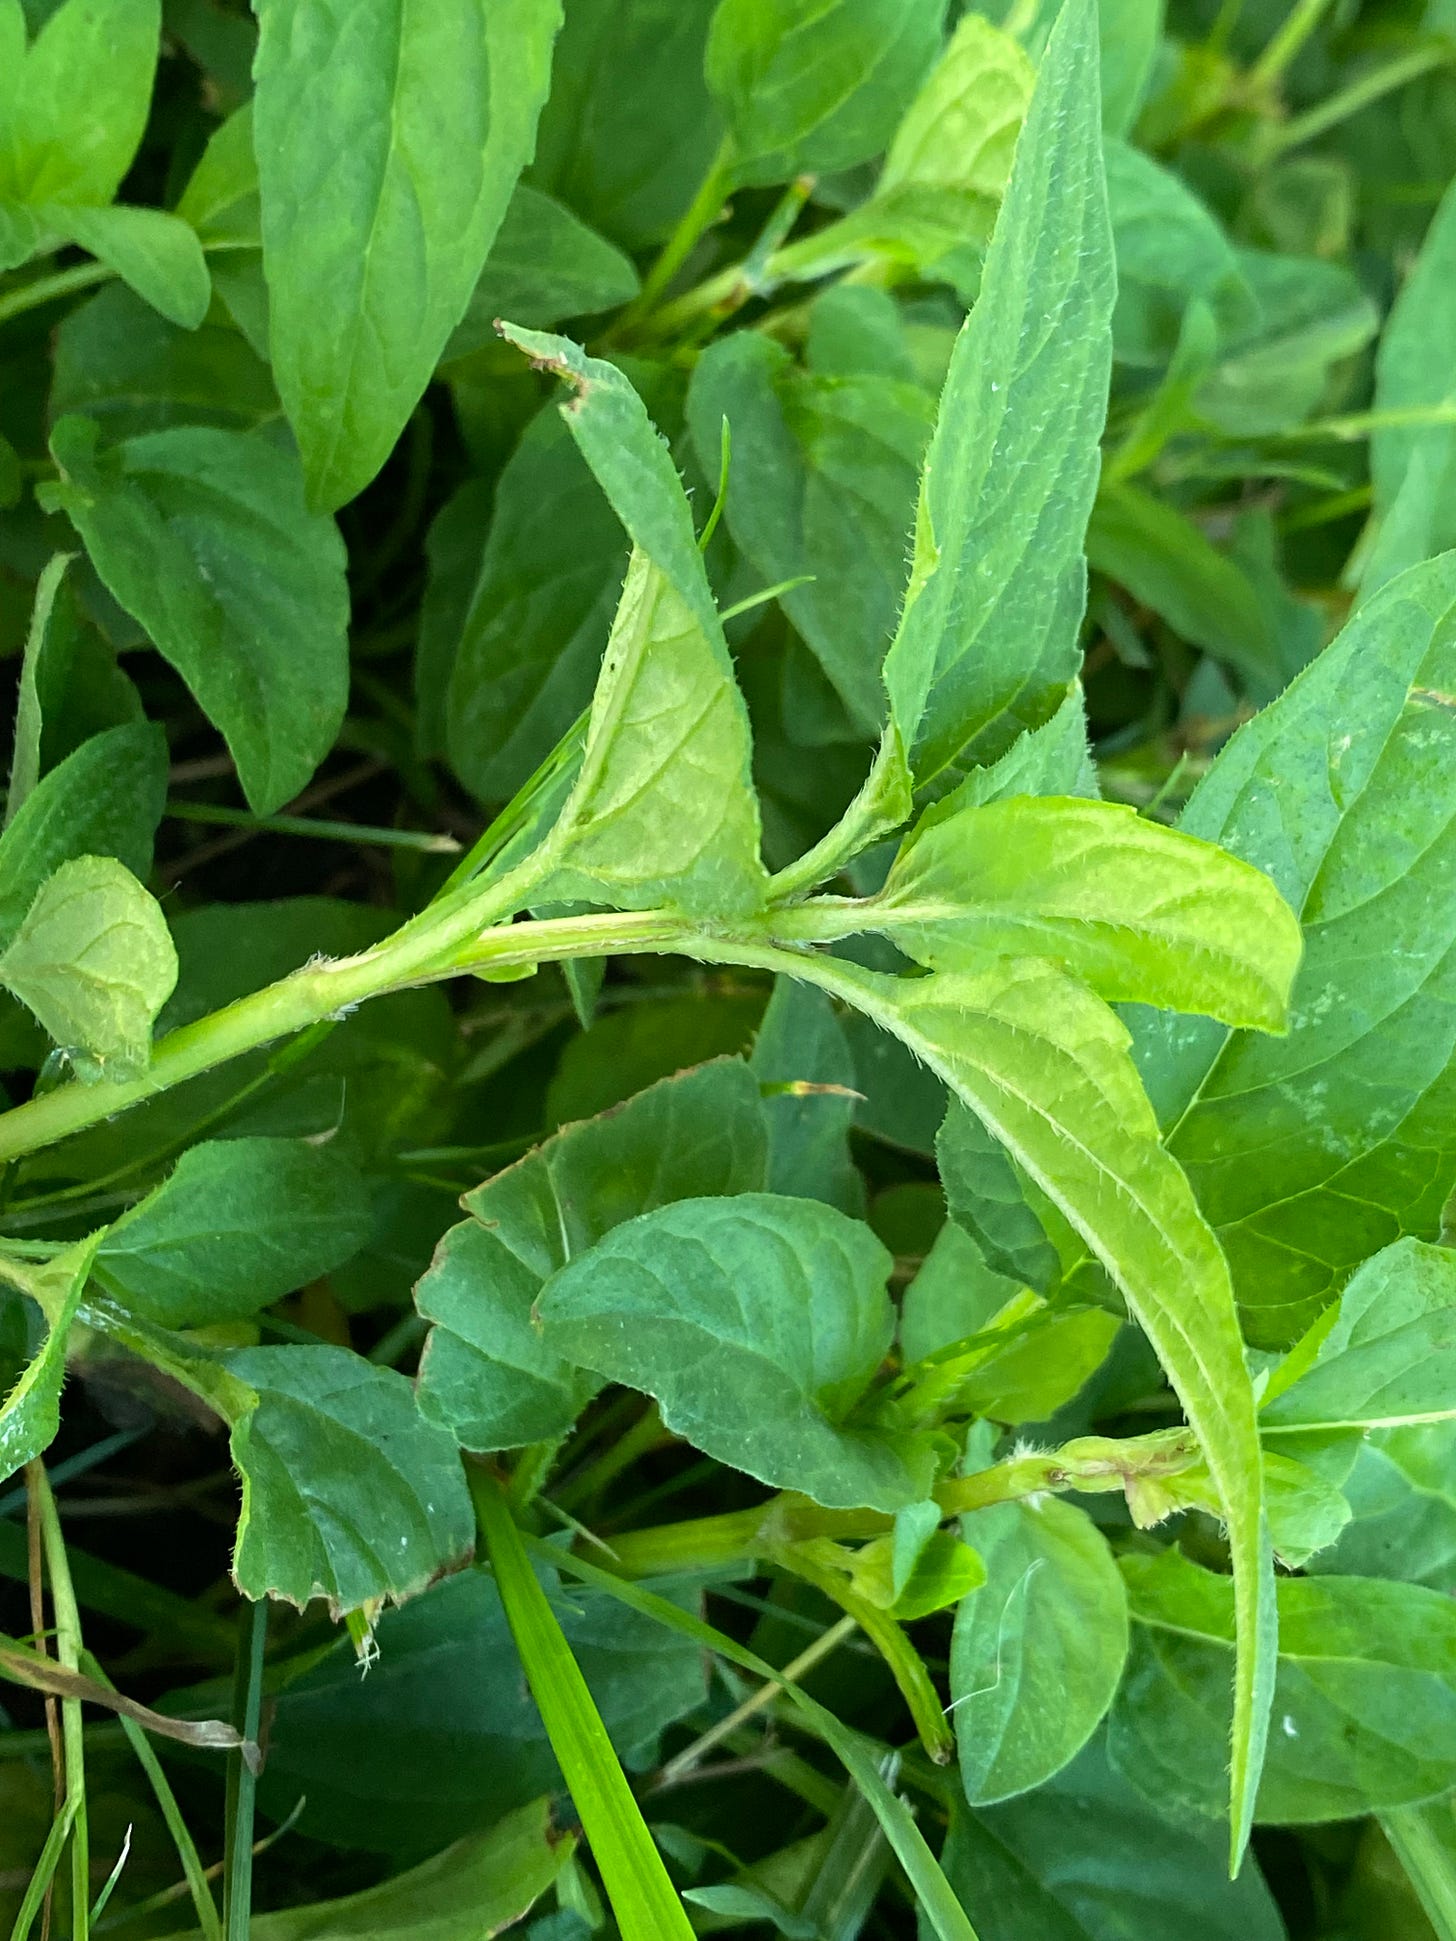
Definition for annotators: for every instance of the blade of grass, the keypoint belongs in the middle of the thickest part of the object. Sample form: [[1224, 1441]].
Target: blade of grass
[[644, 1900], [943, 1911], [45, 1872], [68, 1651], [242, 1781]]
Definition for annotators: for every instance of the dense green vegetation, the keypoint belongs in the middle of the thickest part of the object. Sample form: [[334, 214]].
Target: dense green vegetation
[[727, 996]]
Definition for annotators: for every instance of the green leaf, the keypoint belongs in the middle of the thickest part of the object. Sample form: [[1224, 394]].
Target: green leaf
[[643, 1898], [1132, 909], [989, 1198], [822, 483], [537, 619], [544, 266], [487, 1372], [204, 537], [484, 1883], [988, 641], [807, 86], [757, 1323], [220, 200], [1413, 467], [1309, 1153], [73, 110], [628, 173], [1131, 31], [1044, 1065], [802, 1058], [443, 1730], [94, 961], [1038, 1651], [663, 810], [1383, 1356], [1364, 1704], [370, 266], [239, 1224], [51, 616], [348, 1493], [1087, 1858], [104, 799], [30, 1415], [1166, 563], [156, 255], [117, 361], [1170, 252], [1402, 1503]]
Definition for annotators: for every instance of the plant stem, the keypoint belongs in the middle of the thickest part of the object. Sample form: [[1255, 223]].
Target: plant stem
[[68, 1650], [46, 289], [1424, 1840], [1296, 29], [218, 814], [699, 216], [1395, 73], [242, 1783]]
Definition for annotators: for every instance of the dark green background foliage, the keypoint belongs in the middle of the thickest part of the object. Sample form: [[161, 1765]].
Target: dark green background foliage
[[728, 941]]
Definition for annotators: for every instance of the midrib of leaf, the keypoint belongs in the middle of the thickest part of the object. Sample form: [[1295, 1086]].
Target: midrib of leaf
[[1228, 1435]]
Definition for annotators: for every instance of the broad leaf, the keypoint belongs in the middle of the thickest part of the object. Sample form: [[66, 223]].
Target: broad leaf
[[72, 110], [992, 1201], [810, 86], [482, 1884], [757, 1323], [94, 961], [822, 484], [1383, 1356], [155, 254], [1129, 907], [1038, 1651], [988, 641], [370, 265], [444, 1729], [348, 1493], [1413, 467], [1170, 252], [802, 1058], [104, 799], [1364, 1705], [544, 266], [1044, 1066], [487, 1371], [1308, 1153], [663, 810], [30, 1414], [204, 537], [536, 620], [239, 1224], [1401, 1493], [1087, 1858]]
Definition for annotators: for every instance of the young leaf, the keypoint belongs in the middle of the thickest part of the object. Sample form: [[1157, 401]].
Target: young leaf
[[757, 1322], [104, 799], [1131, 908], [1364, 1706], [348, 1493], [487, 1372], [50, 616], [988, 641], [663, 809], [1383, 1356], [1044, 1065], [155, 254], [73, 105], [809, 86], [1342, 791], [480, 1885], [1037, 1652], [370, 265], [94, 960], [204, 537], [643, 1898], [30, 1414], [239, 1224]]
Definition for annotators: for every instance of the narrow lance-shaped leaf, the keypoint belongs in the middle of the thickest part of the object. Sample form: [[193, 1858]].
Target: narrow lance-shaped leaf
[[389, 139], [988, 642], [663, 810], [1044, 1065], [95, 962]]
